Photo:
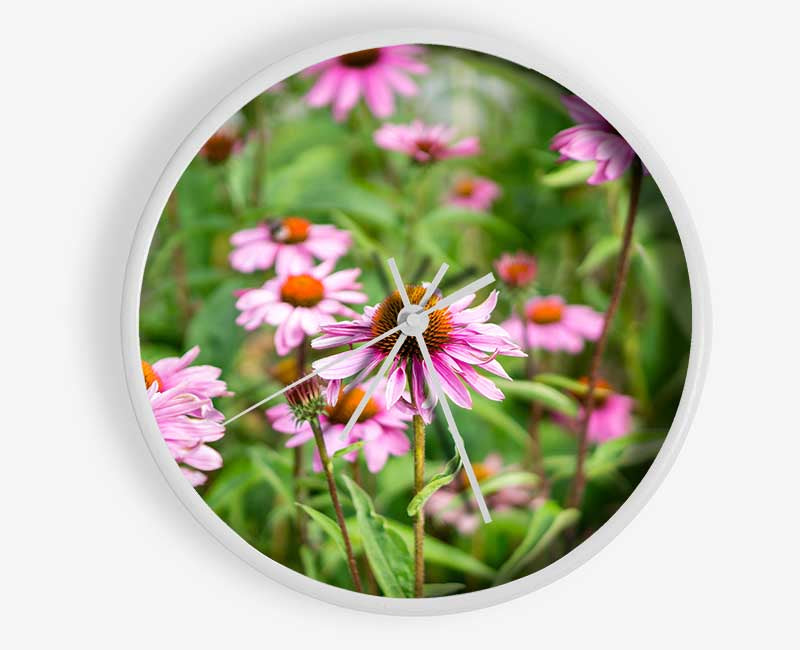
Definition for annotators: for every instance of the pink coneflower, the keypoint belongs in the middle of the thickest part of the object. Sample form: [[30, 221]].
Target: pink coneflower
[[226, 141], [593, 138], [459, 339], [611, 413], [553, 325], [186, 421], [516, 270], [382, 429], [425, 143], [202, 381], [376, 74], [455, 505], [289, 243], [299, 303], [473, 193]]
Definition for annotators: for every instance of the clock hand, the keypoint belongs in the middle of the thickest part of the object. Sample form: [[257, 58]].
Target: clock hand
[[434, 284], [434, 378], [334, 359], [401, 287], [451, 424], [398, 282], [330, 362], [436, 384], [453, 298], [373, 385]]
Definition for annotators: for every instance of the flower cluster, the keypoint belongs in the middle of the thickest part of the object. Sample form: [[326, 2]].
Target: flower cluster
[[180, 395]]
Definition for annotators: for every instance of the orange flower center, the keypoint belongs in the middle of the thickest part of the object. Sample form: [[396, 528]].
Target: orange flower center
[[517, 272], [151, 376], [545, 312], [361, 58], [465, 187], [302, 290], [436, 335], [291, 230], [347, 403]]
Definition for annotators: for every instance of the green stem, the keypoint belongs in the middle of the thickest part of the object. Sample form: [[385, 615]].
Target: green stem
[[419, 520], [327, 465], [578, 487], [298, 469]]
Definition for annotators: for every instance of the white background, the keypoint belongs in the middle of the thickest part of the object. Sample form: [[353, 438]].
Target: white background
[[96, 550]]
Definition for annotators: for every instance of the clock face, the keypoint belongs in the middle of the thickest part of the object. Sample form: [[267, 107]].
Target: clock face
[[482, 285]]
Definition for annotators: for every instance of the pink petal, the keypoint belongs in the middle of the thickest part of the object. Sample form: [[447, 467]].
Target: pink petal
[[324, 90], [395, 385], [377, 94], [347, 95], [451, 384]]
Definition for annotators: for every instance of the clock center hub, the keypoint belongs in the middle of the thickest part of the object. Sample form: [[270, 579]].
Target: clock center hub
[[412, 320]]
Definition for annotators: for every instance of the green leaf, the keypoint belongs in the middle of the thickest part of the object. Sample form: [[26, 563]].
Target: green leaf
[[491, 413], [388, 555], [603, 250], [441, 589], [572, 385], [328, 525], [262, 463], [438, 481], [545, 526], [509, 479], [439, 553], [309, 565], [213, 328], [539, 392], [568, 175], [436, 552], [626, 451], [346, 450], [230, 485]]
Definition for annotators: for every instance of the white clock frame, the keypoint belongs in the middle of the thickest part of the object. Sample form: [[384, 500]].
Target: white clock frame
[[527, 56]]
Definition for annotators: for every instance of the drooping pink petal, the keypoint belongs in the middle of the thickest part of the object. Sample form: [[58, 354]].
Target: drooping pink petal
[[395, 385]]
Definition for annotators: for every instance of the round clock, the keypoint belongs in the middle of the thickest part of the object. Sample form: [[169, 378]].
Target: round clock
[[411, 327]]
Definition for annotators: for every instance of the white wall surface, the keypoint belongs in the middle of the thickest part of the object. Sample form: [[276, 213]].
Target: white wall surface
[[96, 550]]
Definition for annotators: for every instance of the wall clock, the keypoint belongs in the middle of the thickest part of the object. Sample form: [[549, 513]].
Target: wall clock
[[412, 327]]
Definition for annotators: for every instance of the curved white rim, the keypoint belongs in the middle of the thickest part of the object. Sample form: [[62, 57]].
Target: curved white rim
[[526, 56]]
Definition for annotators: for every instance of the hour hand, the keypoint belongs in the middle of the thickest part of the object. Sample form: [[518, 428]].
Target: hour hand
[[451, 424]]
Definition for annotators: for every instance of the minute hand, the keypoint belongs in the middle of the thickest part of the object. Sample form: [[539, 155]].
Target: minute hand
[[451, 424]]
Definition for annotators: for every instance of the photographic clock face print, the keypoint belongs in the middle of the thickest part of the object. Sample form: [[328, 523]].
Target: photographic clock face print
[[415, 321]]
